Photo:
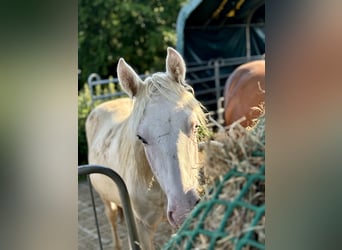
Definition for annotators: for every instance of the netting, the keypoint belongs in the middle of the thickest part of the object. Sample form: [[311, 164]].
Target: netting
[[232, 216]]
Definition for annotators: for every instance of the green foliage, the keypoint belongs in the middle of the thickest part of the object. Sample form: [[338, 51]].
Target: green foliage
[[203, 133], [138, 30], [84, 107]]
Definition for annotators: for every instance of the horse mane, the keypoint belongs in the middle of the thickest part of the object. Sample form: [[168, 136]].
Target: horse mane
[[132, 151]]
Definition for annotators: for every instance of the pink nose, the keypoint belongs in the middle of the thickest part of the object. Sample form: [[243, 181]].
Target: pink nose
[[178, 213]]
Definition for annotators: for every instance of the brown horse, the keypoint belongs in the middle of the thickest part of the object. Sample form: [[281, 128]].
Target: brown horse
[[244, 93]]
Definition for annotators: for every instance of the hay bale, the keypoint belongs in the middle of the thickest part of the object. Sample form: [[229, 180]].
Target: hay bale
[[232, 212], [237, 148]]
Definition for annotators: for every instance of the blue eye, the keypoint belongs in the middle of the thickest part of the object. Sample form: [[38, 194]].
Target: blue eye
[[142, 139]]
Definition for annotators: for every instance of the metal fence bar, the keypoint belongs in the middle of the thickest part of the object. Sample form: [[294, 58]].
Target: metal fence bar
[[126, 203], [107, 96], [220, 110], [95, 213], [217, 79]]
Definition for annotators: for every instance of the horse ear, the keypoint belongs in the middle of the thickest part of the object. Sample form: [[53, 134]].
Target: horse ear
[[175, 65], [129, 80]]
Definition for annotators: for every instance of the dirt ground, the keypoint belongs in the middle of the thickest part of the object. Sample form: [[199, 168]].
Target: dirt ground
[[87, 233]]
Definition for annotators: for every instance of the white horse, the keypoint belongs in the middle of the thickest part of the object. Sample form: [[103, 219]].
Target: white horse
[[151, 136]]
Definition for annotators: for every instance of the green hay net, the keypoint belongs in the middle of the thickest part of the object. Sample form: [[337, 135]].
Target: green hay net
[[233, 215]]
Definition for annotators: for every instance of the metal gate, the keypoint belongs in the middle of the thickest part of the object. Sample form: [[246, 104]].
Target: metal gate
[[207, 79], [126, 203]]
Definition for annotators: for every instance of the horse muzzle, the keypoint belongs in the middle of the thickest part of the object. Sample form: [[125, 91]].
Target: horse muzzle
[[179, 209]]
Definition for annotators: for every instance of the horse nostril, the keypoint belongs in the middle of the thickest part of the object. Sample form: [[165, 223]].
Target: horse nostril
[[171, 219], [198, 201]]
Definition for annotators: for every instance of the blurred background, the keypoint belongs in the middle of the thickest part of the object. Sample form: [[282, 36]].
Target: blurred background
[[214, 37], [140, 31]]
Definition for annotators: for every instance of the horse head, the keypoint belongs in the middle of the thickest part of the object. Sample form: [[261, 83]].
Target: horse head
[[167, 130]]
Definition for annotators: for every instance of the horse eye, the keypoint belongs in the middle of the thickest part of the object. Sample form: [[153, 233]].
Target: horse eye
[[142, 139], [196, 128]]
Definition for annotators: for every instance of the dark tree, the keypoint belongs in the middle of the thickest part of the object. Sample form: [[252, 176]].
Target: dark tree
[[138, 30]]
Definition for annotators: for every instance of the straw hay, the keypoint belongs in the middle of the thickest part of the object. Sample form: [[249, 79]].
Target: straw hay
[[233, 148], [241, 152]]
